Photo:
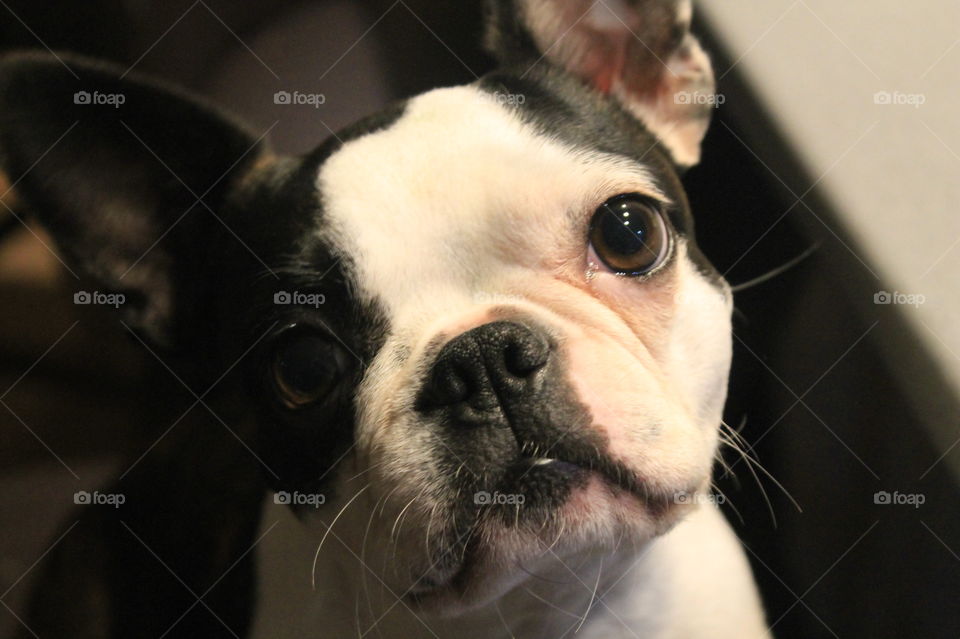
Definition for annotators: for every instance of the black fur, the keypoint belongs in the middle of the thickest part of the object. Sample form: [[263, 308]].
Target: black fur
[[107, 198], [300, 447], [195, 499]]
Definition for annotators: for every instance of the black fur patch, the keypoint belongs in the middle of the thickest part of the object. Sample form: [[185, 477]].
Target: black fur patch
[[282, 214]]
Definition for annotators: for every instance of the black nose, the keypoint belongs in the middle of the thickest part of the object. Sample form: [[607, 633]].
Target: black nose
[[487, 370]]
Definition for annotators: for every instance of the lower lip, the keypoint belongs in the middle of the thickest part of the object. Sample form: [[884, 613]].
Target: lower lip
[[558, 466]]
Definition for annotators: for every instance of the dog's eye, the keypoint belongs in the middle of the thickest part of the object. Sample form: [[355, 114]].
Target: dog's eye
[[629, 234], [306, 367]]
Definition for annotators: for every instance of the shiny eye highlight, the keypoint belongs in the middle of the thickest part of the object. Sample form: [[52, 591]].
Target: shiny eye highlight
[[306, 366], [629, 234]]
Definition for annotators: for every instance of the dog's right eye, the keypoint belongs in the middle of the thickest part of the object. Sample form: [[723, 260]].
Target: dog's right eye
[[306, 367], [629, 235]]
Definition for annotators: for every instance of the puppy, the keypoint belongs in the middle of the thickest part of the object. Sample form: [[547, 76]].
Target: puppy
[[486, 359]]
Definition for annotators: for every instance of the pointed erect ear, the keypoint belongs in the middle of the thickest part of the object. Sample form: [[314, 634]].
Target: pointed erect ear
[[129, 178], [641, 52]]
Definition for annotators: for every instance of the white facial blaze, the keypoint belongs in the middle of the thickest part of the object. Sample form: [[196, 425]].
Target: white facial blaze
[[457, 192]]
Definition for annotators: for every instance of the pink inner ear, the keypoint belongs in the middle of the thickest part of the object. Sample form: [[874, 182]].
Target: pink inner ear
[[611, 66], [607, 72], [602, 39], [607, 44], [604, 58], [603, 83], [632, 50]]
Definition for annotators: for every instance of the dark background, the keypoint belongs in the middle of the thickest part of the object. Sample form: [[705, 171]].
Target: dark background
[[818, 374]]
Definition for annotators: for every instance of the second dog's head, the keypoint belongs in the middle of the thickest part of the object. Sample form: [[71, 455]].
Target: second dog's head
[[478, 318]]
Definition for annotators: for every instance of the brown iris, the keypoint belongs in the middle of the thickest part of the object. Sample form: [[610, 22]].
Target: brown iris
[[629, 234], [306, 367]]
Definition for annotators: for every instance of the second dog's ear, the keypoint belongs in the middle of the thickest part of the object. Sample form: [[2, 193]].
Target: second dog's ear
[[129, 178], [641, 52]]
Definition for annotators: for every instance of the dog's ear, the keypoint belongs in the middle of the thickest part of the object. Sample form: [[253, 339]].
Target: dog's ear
[[128, 176], [640, 52]]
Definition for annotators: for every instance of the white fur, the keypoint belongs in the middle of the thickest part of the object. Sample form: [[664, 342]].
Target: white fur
[[692, 582], [456, 214]]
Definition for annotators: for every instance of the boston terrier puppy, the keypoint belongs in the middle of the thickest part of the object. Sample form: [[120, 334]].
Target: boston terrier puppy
[[484, 357]]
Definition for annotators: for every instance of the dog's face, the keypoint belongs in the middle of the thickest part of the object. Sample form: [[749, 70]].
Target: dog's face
[[479, 319]]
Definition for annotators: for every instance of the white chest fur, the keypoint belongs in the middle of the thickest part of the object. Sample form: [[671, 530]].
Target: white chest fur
[[692, 582]]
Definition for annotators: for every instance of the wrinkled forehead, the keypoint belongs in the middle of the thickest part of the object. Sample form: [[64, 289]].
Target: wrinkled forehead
[[460, 192]]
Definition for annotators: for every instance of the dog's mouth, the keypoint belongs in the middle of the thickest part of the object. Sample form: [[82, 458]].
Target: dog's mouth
[[550, 494], [573, 466]]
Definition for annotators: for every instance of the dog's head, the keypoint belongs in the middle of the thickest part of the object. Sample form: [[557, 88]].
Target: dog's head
[[479, 318]]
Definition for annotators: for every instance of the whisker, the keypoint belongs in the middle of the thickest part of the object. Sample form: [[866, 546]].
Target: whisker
[[751, 459], [727, 500], [363, 557], [530, 573], [727, 470], [593, 597], [731, 437], [316, 555], [777, 271], [752, 471], [403, 511], [506, 627], [366, 470], [563, 525], [356, 609]]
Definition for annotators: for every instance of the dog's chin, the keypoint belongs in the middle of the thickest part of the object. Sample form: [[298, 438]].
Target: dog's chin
[[597, 517]]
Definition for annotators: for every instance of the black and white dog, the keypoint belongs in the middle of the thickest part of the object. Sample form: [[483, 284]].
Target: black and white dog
[[502, 417]]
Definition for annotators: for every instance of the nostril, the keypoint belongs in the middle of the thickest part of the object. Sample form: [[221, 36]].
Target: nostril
[[522, 358], [449, 384]]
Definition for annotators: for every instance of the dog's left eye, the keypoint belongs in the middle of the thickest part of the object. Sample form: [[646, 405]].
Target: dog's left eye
[[306, 367], [629, 234]]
